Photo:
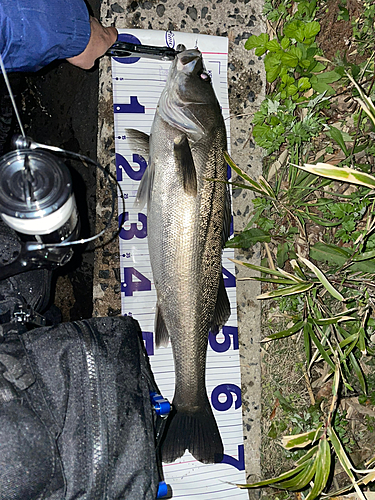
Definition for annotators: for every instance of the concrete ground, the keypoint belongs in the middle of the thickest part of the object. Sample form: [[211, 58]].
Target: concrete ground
[[237, 20]]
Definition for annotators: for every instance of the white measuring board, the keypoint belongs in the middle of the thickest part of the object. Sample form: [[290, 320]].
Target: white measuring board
[[137, 85]]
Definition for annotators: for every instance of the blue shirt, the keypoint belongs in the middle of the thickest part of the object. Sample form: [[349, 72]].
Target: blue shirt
[[33, 33]]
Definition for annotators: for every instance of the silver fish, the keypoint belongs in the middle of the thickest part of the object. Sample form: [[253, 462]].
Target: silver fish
[[188, 223]]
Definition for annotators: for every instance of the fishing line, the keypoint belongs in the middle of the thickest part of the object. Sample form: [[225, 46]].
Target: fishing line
[[7, 83]]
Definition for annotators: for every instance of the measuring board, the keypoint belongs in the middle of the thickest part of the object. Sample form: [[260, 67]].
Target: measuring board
[[137, 85]]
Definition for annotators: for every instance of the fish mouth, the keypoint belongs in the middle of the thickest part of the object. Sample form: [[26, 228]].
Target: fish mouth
[[187, 60]]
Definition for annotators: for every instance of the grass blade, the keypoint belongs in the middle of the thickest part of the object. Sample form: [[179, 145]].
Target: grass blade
[[322, 278]]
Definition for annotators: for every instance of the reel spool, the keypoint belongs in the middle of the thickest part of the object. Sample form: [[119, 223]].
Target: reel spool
[[36, 197]]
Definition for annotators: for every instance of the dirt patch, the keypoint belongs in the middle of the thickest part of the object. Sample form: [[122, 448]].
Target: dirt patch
[[336, 33]]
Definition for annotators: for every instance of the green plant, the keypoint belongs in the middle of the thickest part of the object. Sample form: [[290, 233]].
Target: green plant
[[315, 221], [315, 465], [337, 287], [364, 29]]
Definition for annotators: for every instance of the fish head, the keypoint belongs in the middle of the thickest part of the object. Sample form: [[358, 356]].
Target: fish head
[[188, 101]]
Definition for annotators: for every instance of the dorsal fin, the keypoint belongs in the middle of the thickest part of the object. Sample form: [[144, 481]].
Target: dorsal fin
[[227, 217], [222, 309]]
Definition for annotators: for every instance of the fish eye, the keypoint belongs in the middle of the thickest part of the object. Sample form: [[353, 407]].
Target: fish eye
[[205, 76]]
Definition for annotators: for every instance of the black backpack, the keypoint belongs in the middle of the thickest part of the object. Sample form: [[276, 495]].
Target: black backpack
[[80, 414], [76, 418]]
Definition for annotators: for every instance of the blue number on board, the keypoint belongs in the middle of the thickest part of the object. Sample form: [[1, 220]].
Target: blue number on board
[[132, 107], [237, 463], [123, 164], [126, 37], [129, 286], [148, 338], [228, 332], [128, 234], [227, 390], [229, 279]]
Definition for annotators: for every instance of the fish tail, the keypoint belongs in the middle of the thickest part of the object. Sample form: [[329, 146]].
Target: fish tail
[[195, 431]]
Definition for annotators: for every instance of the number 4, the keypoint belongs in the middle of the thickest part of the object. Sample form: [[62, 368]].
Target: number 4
[[129, 286]]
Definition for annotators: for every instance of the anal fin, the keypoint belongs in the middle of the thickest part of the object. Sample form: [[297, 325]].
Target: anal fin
[[161, 332]]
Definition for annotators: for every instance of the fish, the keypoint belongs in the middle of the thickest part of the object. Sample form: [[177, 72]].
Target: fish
[[188, 222]]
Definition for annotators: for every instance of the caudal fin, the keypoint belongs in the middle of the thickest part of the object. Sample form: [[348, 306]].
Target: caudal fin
[[196, 432]]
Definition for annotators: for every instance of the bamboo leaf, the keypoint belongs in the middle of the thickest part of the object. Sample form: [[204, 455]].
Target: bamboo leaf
[[301, 440], [285, 333], [349, 340], [253, 184], [322, 278], [332, 321], [343, 174], [362, 340], [319, 346], [297, 269], [358, 371], [368, 478], [308, 455], [340, 452], [323, 467], [267, 482], [277, 281], [296, 279], [301, 480], [261, 269], [344, 460], [266, 187], [287, 290], [307, 345]]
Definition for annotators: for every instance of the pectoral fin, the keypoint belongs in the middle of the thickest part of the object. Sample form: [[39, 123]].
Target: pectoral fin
[[138, 142], [184, 159], [143, 192]]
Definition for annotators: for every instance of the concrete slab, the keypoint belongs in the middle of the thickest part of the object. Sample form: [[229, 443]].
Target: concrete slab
[[237, 20]]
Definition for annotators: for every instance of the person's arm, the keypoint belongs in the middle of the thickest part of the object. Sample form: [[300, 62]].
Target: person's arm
[[34, 33], [101, 39]]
